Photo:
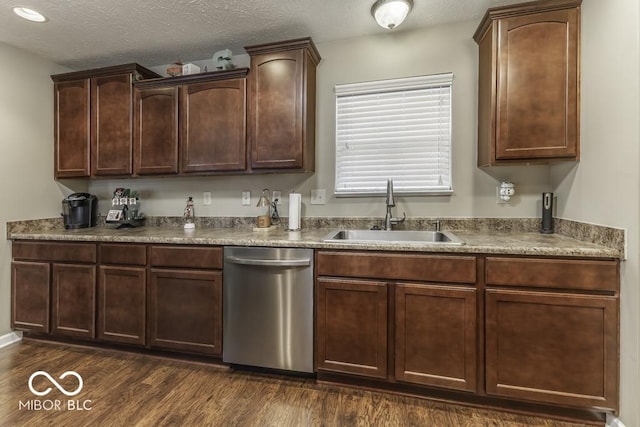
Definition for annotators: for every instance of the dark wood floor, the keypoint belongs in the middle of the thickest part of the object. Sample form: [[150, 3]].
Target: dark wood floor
[[139, 390]]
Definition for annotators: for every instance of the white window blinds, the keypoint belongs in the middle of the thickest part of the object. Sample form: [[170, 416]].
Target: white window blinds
[[399, 129]]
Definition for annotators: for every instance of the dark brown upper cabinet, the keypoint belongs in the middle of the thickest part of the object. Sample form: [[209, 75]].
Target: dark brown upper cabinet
[[282, 105], [71, 128], [93, 121], [155, 131], [191, 124], [213, 126], [528, 88]]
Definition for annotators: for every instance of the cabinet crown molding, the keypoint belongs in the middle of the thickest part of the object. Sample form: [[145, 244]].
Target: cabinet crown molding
[[496, 13], [236, 73], [303, 43], [106, 71]]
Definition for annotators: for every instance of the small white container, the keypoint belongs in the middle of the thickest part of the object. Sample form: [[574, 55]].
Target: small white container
[[190, 69]]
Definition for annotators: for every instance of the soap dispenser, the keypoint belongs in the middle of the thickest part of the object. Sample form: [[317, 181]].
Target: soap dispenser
[[189, 215]]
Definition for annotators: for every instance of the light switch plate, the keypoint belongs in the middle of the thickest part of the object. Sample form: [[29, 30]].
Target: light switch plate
[[319, 197], [246, 198], [206, 198]]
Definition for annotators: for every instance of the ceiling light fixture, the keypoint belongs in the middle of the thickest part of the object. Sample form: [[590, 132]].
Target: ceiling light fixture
[[29, 14], [390, 13]]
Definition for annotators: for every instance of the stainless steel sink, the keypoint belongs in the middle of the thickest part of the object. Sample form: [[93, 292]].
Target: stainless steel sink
[[394, 236]]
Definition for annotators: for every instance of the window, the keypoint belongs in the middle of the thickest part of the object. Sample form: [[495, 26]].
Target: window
[[399, 129]]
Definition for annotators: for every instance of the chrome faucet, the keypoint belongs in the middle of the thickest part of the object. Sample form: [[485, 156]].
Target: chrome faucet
[[389, 221]]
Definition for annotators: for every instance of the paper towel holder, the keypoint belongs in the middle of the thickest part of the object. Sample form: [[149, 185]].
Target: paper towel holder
[[294, 213]]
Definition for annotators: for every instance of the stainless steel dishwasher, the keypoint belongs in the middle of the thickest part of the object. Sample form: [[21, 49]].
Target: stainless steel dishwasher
[[268, 308]]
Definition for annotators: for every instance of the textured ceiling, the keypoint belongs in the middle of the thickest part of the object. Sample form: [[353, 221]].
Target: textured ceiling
[[84, 34]]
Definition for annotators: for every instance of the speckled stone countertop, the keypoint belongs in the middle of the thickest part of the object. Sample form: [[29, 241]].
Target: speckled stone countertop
[[490, 241]]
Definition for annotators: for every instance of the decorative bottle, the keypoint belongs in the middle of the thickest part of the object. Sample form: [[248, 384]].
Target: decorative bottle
[[189, 215]]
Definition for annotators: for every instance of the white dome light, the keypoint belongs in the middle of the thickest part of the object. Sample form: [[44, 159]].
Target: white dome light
[[390, 13], [29, 14]]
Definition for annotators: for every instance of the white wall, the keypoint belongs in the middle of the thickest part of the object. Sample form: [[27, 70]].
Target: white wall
[[26, 152], [441, 49], [605, 187]]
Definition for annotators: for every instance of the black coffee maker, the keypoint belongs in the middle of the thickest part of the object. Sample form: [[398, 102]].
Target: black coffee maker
[[80, 210]]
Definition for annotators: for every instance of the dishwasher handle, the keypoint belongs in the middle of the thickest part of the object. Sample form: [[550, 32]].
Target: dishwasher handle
[[301, 262]]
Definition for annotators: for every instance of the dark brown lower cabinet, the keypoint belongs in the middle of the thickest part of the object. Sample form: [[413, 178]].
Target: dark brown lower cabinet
[[74, 300], [351, 327], [30, 296], [185, 310], [559, 348], [122, 304], [436, 335]]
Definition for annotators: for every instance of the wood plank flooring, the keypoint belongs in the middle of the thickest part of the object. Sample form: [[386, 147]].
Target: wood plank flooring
[[139, 390]]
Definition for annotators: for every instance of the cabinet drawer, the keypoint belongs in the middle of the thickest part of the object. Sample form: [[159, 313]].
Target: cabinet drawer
[[396, 266], [186, 257], [123, 254], [553, 273], [56, 252]]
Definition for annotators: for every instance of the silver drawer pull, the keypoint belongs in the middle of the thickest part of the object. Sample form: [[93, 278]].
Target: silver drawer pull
[[270, 262]]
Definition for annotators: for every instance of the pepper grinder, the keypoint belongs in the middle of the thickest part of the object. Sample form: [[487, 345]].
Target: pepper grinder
[[189, 215], [547, 213]]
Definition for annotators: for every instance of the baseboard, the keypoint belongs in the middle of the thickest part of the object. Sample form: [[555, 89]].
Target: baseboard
[[614, 421], [10, 338]]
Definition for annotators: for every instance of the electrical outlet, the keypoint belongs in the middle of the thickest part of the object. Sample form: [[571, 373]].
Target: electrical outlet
[[246, 198], [206, 198], [319, 197], [277, 195]]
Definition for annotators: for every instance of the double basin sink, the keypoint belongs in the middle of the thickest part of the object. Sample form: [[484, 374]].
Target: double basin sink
[[393, 236]]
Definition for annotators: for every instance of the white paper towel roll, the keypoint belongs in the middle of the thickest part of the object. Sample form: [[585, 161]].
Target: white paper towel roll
[[295, 205]]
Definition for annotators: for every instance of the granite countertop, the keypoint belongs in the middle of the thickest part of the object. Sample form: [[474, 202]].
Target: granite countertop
[[490, 242]]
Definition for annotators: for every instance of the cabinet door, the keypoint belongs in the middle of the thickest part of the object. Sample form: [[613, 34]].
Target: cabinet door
[[537, 90], [185, 310], [74, 300], [351, 327], [213, 126], [276, 110], [30, 292], [436, 335], [552, 347], [156, 131], [111, 125], [71, 129], [122, 304]]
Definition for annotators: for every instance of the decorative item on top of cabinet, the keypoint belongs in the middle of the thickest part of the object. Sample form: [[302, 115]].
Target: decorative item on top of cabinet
[[193, 124], [282, 105], [92, 120], [528, 85]]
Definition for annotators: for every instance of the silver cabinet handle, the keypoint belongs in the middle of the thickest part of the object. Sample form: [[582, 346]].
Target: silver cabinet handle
[[269, 262]]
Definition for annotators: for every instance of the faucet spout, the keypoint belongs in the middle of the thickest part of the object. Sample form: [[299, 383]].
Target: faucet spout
[[390, 199], [389, 221]]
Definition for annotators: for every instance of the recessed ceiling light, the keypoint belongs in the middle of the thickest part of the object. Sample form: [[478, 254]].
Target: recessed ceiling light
[[29, 14]]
